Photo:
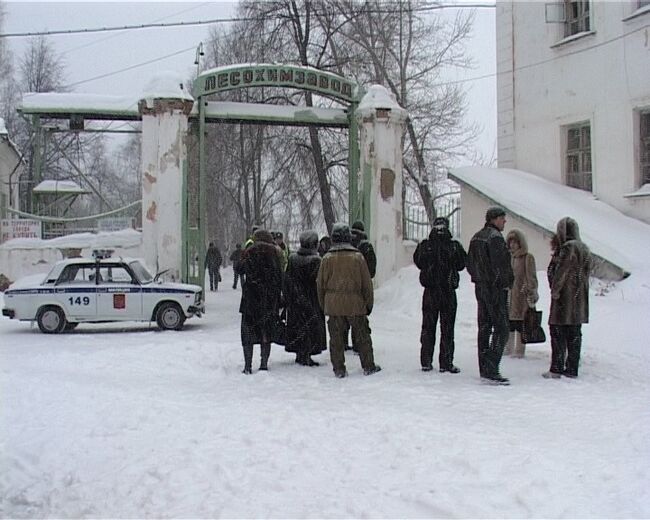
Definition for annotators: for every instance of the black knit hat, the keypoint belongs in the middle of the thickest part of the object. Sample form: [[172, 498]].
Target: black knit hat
[[358, 224], [494, 212]]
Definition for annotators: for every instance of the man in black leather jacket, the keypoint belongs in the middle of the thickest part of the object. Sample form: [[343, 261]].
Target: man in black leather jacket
[[489, 265]]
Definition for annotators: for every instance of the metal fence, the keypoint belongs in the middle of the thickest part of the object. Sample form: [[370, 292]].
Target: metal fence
[[416, 223]]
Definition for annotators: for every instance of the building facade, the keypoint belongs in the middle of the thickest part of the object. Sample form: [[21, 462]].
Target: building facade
[[11, 168], [573, 96]]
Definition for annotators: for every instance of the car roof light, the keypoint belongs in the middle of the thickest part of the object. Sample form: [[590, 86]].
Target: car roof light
[[99, 254]]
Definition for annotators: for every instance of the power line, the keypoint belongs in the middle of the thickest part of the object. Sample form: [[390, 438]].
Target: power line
[[542, 62], [218, 20], [95, 42], [124, 27], [154, 60]]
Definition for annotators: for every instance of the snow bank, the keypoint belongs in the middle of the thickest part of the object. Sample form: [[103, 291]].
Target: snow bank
[[20, 257]]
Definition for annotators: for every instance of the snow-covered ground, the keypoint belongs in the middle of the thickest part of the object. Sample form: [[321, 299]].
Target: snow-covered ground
[[109, 421]]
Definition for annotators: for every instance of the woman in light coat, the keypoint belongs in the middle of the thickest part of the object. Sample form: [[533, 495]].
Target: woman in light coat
[[523, 294]]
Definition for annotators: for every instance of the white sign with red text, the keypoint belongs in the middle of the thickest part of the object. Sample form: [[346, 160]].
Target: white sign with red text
[[19, 228]]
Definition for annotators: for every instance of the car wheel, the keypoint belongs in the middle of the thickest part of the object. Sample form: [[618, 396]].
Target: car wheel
[[170, 317], [51, 320], [70, 326]]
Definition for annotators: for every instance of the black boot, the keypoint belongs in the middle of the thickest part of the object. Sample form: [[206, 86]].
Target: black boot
[[264, 359], [310, 362], [248, 359]]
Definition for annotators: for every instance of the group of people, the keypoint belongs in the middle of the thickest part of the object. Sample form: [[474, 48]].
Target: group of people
[[505, 278], [286, 296], [330, 278]]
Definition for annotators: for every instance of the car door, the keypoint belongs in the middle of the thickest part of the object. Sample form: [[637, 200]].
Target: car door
[[76, 292], [119, 295]]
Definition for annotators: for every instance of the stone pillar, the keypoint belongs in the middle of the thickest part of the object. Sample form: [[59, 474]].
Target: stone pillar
[[164, 113], [381, 125]]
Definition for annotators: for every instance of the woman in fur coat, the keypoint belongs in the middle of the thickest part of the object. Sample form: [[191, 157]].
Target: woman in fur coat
[[260, 301], [305, 319], [569, 281], [523, 294]]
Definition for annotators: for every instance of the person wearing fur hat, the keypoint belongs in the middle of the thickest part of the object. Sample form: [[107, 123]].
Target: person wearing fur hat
[[569, 281], [278, 238], [523, 294], [361, 242], [305, 319], [260, 300], [488, 263], [439, 259], [345, 294]]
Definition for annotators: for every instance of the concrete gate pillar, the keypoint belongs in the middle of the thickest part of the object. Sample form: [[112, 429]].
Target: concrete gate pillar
[[381, 126], [164, 109]]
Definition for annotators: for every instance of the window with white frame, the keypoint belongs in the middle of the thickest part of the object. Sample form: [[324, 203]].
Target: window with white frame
[[578, 156], [576, 16], [644, 147]]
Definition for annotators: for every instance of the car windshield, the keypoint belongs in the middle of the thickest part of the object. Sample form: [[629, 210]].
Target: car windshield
[[141, 272]]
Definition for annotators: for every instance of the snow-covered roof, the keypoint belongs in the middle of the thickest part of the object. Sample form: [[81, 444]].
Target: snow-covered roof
[[288, 113], [621, 240], [66, 102], [123, 239], [92, 105], [166, 84], [64, 187], [379, 97]]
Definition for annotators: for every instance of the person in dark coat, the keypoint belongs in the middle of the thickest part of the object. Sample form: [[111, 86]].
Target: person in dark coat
[[345, 294], [213, 261], [569, 281], [488, 263], [439, 259], [324, 245], [235, 259], [361, 242], [260, 301], [305, 319]]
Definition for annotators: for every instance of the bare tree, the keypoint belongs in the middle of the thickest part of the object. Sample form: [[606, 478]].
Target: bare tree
[[41, 69], [300, 31], [270, 175], [407, 49]]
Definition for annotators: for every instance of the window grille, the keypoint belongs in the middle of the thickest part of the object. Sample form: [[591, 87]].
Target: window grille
[[644, 147], [578, 156], [576, 17]]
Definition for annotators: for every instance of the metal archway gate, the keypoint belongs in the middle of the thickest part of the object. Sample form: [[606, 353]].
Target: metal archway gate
[[172, 238], [233, 77]]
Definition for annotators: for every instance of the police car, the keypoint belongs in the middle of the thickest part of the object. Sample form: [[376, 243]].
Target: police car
[[102, 289]]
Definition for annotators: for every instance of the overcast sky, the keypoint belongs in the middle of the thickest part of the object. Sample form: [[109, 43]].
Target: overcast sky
[[89, 56]]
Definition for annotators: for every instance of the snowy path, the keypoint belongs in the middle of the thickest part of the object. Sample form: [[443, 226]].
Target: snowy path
[[106, 423]]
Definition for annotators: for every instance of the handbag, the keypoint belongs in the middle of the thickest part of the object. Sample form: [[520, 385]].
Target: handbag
[[532, 331], [279, 332]]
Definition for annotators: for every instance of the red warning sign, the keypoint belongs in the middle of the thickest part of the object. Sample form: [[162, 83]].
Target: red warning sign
[[119, 301]]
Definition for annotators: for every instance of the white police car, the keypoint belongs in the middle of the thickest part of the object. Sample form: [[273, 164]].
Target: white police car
[[101, 289]]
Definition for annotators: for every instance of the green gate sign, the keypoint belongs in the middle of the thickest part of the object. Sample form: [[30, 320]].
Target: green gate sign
[[270, 75]]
